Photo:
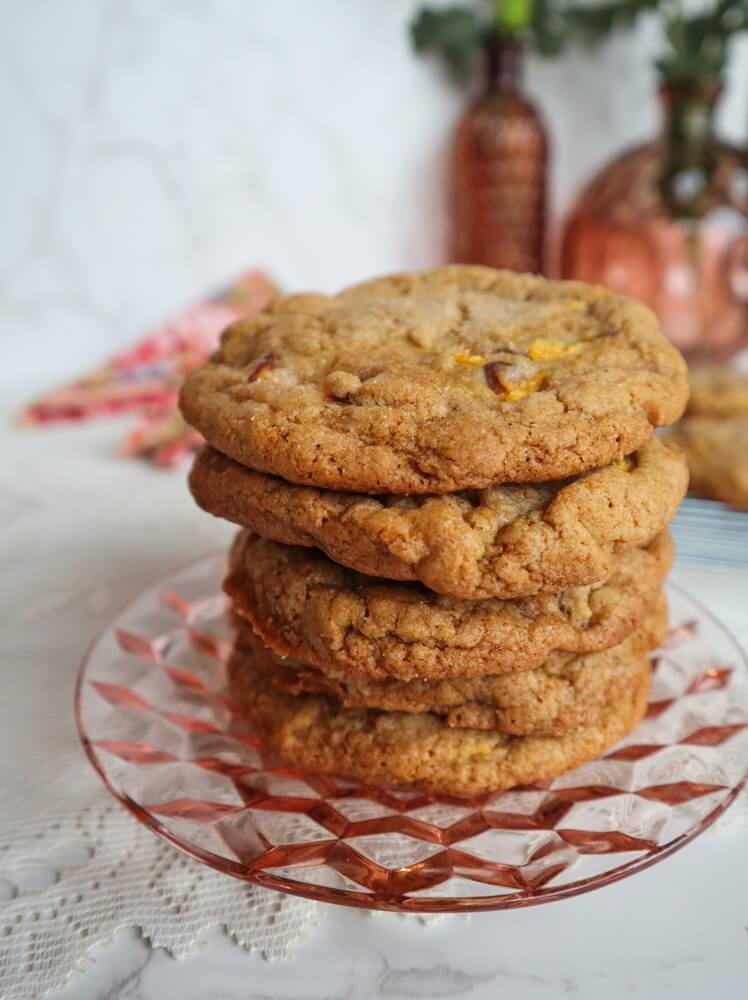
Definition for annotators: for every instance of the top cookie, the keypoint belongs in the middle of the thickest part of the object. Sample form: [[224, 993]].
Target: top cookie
[[457, 378], [718, 391]]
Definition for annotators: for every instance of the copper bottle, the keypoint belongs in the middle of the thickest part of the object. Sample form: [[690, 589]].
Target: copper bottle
[[498, 171]]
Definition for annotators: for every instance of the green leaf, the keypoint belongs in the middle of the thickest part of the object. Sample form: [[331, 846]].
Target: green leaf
[[696, 45], [591, 24], [455, 33], [548, 32]]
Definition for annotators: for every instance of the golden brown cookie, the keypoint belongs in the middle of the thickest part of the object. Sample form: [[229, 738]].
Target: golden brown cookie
[[569, 690], [717, 454], [395, 747], [718, 391], [304, 605], [504, 541], [452, 379]]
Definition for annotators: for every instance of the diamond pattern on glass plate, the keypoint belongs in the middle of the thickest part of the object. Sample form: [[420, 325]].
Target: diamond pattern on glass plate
[[156, 724]]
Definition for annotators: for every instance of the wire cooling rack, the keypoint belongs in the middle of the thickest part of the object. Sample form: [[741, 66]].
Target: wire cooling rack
[[708, 533]]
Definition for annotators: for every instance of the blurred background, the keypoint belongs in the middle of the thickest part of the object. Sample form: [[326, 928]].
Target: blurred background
[[154, 149]]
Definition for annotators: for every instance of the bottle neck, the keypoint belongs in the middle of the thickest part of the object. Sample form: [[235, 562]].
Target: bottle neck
[[688, 109], [688, 152], [504, 64]]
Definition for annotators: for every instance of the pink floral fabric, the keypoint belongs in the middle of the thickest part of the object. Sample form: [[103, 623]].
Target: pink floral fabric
[[145, 378]]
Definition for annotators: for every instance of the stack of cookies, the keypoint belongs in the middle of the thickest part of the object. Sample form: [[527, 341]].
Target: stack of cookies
[[714, 433], [453, 515]]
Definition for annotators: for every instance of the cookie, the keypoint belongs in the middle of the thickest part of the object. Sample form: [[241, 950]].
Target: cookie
[[504, 541], [566, 692], [718, 391], [304, 605], [717, 454], [399, 748], [452, 379]]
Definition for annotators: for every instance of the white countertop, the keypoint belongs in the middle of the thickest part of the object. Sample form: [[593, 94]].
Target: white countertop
[[83, 529], [676, 930]]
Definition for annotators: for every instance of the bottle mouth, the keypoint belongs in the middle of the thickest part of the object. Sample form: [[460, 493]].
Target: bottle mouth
[[686, 90]]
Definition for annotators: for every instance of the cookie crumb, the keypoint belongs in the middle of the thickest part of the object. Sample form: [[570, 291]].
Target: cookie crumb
[[341, 385]]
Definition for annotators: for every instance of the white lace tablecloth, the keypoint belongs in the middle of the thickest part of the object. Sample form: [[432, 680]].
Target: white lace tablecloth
[[80, 531]]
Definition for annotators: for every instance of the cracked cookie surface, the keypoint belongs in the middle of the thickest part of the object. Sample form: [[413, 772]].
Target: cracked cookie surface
[[569, 690], [395, 747], [505, 541], [304, 605], [433, 382]]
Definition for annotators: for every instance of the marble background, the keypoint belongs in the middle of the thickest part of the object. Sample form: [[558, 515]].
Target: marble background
[[152, 148]]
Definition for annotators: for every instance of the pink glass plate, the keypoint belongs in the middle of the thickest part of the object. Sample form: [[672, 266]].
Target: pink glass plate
[[154, 720]]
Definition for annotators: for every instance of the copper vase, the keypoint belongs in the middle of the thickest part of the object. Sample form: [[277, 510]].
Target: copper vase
[[667, 223]]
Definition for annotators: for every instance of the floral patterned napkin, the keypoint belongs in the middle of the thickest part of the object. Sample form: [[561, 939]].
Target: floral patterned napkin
[[145, 378]]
